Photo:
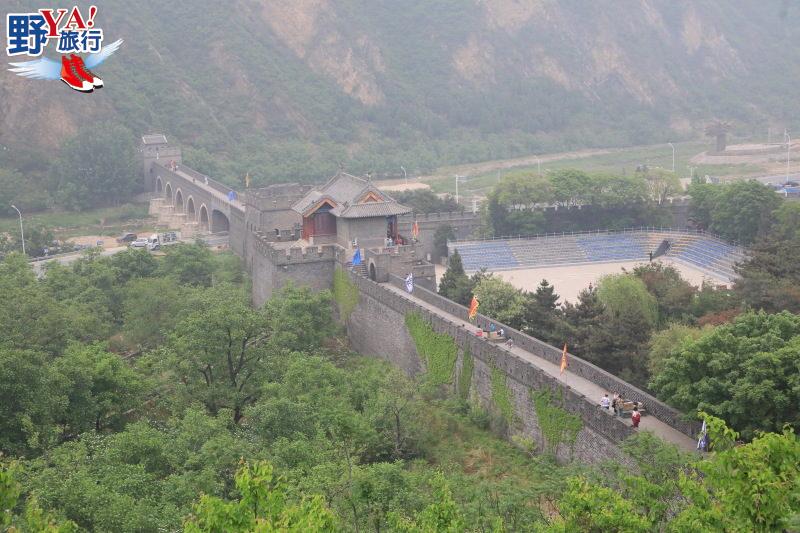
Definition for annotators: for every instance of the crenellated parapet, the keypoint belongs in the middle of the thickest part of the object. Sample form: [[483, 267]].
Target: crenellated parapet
[[283, 256]]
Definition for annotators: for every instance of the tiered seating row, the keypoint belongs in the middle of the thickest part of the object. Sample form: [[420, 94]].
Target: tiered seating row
[[708, 254], [700, 251]]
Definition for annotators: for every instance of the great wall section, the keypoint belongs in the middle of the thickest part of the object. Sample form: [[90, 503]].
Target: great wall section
[[265, 233]]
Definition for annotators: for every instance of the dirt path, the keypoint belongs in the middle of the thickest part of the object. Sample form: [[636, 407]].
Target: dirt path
[[474, 169]]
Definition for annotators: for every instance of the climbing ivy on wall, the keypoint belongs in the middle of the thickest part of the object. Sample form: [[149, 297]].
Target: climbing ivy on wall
[[345, 293], [501, 395], [438, 350], [557, 425], [465, 381]]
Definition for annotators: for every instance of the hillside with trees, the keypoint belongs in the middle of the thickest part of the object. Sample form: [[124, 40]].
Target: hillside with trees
[[144, 394], [288, 91]]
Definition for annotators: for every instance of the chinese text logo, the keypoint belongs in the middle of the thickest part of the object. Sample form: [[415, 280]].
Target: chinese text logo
[[29, 33]]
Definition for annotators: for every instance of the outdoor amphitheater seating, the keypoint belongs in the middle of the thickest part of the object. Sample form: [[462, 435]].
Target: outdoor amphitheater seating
[[697, 250], [708, 254]]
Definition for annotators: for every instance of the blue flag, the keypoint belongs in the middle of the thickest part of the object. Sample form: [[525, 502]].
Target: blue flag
[[357, 257], [410, 282]]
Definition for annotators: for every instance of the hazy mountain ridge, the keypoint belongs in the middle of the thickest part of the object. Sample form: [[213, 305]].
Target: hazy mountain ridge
[[294, 88]]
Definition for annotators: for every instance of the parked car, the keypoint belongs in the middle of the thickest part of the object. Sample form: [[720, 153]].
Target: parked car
[[139, 243], [127, 237]]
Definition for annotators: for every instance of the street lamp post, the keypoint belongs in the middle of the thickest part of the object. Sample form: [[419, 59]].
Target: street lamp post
[[788, 151], [457, 179], [404, 173], [673, 156], [21, 232]]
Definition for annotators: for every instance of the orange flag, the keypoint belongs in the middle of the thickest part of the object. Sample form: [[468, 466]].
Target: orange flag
[[415, 230], [473, 308], [564, 358]]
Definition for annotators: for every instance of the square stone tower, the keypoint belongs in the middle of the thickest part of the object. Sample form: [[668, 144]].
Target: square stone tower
[[156, 147]]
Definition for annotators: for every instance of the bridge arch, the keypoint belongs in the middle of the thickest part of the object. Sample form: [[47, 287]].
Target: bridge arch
[[203, 218], [190, 210], [179, 201], [168, 191], [219, 222], [159, 185]]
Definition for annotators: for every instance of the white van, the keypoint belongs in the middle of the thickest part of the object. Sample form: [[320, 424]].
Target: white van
[[153, 242]]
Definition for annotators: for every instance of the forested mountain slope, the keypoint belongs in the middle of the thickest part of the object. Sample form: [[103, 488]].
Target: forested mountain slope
[[291, 89]]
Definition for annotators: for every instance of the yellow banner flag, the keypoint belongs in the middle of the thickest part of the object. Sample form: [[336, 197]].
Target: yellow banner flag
[[564, 359], [473, 308]]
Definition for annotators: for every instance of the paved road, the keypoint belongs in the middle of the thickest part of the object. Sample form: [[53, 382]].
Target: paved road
[[580, 384], [38, 266], [777, 179]]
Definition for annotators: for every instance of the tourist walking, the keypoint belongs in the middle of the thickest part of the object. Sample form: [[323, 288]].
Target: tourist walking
[[636, 416], [605, 402]]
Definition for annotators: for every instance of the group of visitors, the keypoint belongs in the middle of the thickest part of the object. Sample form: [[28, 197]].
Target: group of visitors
[[617, 403]]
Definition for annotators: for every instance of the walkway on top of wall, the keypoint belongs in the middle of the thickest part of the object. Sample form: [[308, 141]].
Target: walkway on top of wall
[[209, 189], [578, 383]]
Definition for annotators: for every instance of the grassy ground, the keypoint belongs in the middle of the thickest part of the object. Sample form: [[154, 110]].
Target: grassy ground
[[104, 221], [624, 160]]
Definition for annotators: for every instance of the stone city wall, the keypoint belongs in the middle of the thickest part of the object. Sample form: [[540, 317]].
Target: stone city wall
[[377, 327], [577, 365]]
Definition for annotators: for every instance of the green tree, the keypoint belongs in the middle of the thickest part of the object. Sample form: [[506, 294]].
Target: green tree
[[661, 184], [189, 264], [511, 204], [770, 278], [33, 518], [786, 226], [441, 515], [569, 186], [33, 399], [264, 505], [427, 201], [596, 509], [743, 488], [299, 319], [219, 352], [101, 388], [740, 211], [152, 307], [673, 294], [704, 197], [611, 328], [97, 166], [666, 342], [744, 372], [541, 316], [454, 283], [500, 300], [623, 294], [133, 263]]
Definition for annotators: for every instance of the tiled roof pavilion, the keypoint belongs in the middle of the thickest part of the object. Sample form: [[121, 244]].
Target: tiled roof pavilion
[[350, 197]]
